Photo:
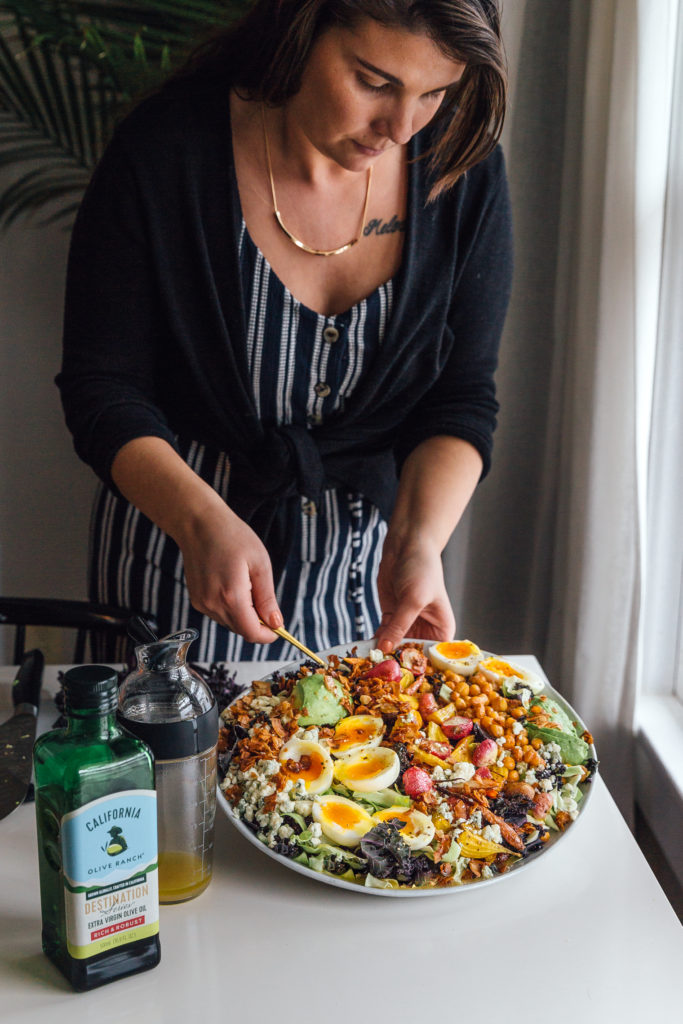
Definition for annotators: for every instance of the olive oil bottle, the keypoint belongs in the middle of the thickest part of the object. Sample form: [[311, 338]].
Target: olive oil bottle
[[97, 838]]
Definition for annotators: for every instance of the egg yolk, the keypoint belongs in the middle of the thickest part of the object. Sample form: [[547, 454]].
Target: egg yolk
[[364, 769], [457, 649], [403, 816], [309, 768], [351, 736], [342, 815], [501, 667]]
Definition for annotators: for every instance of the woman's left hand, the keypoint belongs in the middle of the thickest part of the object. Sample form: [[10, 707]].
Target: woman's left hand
[[413, 597], [412, 591]]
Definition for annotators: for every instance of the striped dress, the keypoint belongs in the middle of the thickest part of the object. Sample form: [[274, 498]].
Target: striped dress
[[303, 367]]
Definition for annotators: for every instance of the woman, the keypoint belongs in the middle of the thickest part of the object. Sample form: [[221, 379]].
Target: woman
[[285, 294]]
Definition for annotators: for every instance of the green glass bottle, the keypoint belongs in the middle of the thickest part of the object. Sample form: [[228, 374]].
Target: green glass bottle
[[97, 838]]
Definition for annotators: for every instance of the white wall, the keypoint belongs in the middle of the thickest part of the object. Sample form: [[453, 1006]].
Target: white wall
[[45, 492]]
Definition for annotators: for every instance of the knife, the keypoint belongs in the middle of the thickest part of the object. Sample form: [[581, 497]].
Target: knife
[[18, 733]]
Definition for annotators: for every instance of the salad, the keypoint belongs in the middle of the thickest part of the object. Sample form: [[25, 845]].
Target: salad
[[434, 766]]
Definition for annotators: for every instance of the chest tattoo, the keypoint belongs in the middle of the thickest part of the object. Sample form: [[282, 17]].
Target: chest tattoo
[[377, 226]]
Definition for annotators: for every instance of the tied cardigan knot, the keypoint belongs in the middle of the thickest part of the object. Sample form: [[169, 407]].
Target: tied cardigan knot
[[286, 461]]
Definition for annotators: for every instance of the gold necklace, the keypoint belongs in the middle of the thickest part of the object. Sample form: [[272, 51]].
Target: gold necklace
[[278, 216]]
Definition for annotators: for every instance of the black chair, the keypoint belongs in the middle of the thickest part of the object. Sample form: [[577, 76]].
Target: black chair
[[83, 616]]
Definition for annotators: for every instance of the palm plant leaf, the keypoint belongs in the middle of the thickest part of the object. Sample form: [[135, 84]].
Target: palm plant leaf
[[36, 188], [67, 68], [42, 126]]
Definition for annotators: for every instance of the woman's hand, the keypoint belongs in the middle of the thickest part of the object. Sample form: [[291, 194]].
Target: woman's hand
[[229, 574], [411, 586], [413, 597]]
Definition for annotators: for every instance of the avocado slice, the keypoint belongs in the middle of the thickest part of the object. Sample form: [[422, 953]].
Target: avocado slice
[[318, 704], [573, 749]]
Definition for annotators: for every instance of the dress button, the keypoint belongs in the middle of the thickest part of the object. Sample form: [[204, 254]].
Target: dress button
[[331, 334], [314, 419], [321, 389]]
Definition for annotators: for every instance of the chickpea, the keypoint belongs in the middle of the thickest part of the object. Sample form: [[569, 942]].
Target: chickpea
[[509, 721], [517, 753], [500, 704], [497, 730], [509, 763], [463, 689], [449, 674], [537, 743], [509, 742], [486, 687], [517, 712], [487, 723], [475, 689], [529, 755], [513, 776], [523, 738]]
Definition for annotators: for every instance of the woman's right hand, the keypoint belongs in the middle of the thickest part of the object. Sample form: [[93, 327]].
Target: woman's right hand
[[228, 570], [229, 574]]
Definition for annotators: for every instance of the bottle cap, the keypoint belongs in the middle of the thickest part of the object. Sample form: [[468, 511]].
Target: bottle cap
[[91, 687], [170, 741]]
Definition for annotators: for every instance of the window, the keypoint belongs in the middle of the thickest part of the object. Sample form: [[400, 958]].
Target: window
[[659, 718], [662, 623]]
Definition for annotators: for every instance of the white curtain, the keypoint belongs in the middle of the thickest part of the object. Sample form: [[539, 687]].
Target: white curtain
[[557, 535], [662, 655]]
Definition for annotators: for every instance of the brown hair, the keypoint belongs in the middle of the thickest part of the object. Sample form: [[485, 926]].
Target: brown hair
[[264, 55]]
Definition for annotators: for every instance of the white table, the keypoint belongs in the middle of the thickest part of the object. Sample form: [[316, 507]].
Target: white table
[[585, 935]]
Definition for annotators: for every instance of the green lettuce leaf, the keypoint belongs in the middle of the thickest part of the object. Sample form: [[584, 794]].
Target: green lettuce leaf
[[382, 798]]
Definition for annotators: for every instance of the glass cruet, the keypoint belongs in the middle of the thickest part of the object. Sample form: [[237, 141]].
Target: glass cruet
[[167, 704]]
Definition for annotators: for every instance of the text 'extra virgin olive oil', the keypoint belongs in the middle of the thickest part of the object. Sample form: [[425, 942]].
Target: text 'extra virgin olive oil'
[[97, 838]]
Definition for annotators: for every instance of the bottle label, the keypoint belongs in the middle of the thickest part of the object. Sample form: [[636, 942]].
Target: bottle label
[[111, 877]]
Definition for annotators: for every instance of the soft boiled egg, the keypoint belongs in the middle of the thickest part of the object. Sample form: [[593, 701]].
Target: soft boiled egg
[[417, 829], [371, 769], [354, 733], [461, 656], [498, 671], [308, 761], [342, 820]]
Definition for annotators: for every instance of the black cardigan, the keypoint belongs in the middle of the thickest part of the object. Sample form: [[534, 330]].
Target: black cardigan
[[155, 323]]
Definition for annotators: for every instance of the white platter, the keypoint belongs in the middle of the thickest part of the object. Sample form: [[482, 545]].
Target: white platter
[[362, 648]]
